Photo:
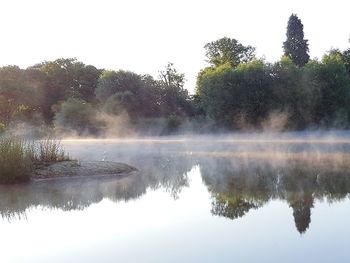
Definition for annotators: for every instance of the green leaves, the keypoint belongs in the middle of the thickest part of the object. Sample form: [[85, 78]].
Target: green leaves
[[228, 51], [296, 47]]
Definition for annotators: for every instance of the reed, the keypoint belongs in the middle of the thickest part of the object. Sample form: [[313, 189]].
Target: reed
[[15, 163], [19, 156], [46, 151]]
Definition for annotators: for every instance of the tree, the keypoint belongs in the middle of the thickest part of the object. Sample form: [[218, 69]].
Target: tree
[[236, 96], [334, 83], [295, 92], [296, 47], [119, 102], [228, 51], [302, 212], [174, 98], [63, 79], [122, 90], [78, 115], [111, 82], [170, 77], [346, 59], [17, 95]]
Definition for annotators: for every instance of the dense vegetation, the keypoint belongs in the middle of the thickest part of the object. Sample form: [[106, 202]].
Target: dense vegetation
[[70, 95], [18, 157], [241, 91], [236, 91]]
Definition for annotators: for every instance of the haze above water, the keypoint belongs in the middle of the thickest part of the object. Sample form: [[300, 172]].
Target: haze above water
[[266, 198]]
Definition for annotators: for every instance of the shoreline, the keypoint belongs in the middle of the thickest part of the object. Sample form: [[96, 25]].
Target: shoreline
[[76, 169]]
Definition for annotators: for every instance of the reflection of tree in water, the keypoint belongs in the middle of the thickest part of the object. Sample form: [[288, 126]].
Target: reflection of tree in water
[[169, 172], [160, 163], [68, 194], [231, 207], [234, 194], [166, 170], [77, 194], [302, 211], [238, 185]]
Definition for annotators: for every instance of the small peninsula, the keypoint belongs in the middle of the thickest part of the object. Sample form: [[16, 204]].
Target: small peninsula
[[74, 168]]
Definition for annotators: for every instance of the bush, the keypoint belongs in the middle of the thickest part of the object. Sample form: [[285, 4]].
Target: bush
[[173, 123], [77, 115]]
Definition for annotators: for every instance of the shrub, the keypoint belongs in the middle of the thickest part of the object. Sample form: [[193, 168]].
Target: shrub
[[77, 115]]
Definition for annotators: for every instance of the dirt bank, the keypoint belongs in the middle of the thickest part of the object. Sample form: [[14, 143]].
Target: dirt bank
[[75, 168]]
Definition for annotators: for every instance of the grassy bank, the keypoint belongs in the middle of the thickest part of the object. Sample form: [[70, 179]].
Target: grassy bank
[[18, 157]]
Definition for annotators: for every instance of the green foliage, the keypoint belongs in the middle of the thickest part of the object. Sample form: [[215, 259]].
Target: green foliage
[[15, 163], [14, 85], [62, 79], [68, 94], [235, 91], [119, 102], [174, 99], [296, 47], [311, 96], [295, 91], [235, 95], [173, 123], [346, 58], [171, 78], [231, 206], [111, 82], [334, 82], [10, 110], [77, 115], [16, 94], [2, 127], [212, 90], [228, 51], [121, 90], [17, 157]]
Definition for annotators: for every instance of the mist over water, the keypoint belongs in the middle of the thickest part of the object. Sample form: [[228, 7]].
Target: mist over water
[[245, 189]]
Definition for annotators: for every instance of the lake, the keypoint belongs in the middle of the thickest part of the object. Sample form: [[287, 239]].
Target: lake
[[194, 199]]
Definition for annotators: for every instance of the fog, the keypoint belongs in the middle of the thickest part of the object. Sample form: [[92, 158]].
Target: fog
[[241, 172]]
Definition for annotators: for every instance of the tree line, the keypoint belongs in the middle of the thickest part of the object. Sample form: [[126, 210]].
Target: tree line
[[67, 93], [242, 91], [236, 91]]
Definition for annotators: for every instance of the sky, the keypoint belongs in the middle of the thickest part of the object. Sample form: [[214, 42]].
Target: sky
[[144, 35]]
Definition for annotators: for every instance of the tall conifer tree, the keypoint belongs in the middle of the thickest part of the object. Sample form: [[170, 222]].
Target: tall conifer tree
[[296, 47]]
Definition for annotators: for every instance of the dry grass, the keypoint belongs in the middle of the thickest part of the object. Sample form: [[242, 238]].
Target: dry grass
[[46, 151]]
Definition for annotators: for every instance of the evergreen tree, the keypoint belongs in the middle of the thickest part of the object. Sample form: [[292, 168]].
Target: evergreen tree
[[296, 47]]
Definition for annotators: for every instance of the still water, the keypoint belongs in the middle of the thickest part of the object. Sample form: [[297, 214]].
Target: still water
[[193, 200]]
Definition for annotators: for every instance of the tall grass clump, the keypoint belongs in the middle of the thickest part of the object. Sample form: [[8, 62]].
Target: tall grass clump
[[18, 157], [46, 151], [15, 162]]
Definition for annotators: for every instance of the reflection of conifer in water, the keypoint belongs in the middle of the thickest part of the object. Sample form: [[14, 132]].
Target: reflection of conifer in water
[[302, 212]]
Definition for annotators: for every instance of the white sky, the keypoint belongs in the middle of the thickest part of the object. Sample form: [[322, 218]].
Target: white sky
[[143, 35]]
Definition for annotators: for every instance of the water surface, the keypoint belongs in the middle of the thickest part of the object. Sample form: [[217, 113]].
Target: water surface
[[193, 200]]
